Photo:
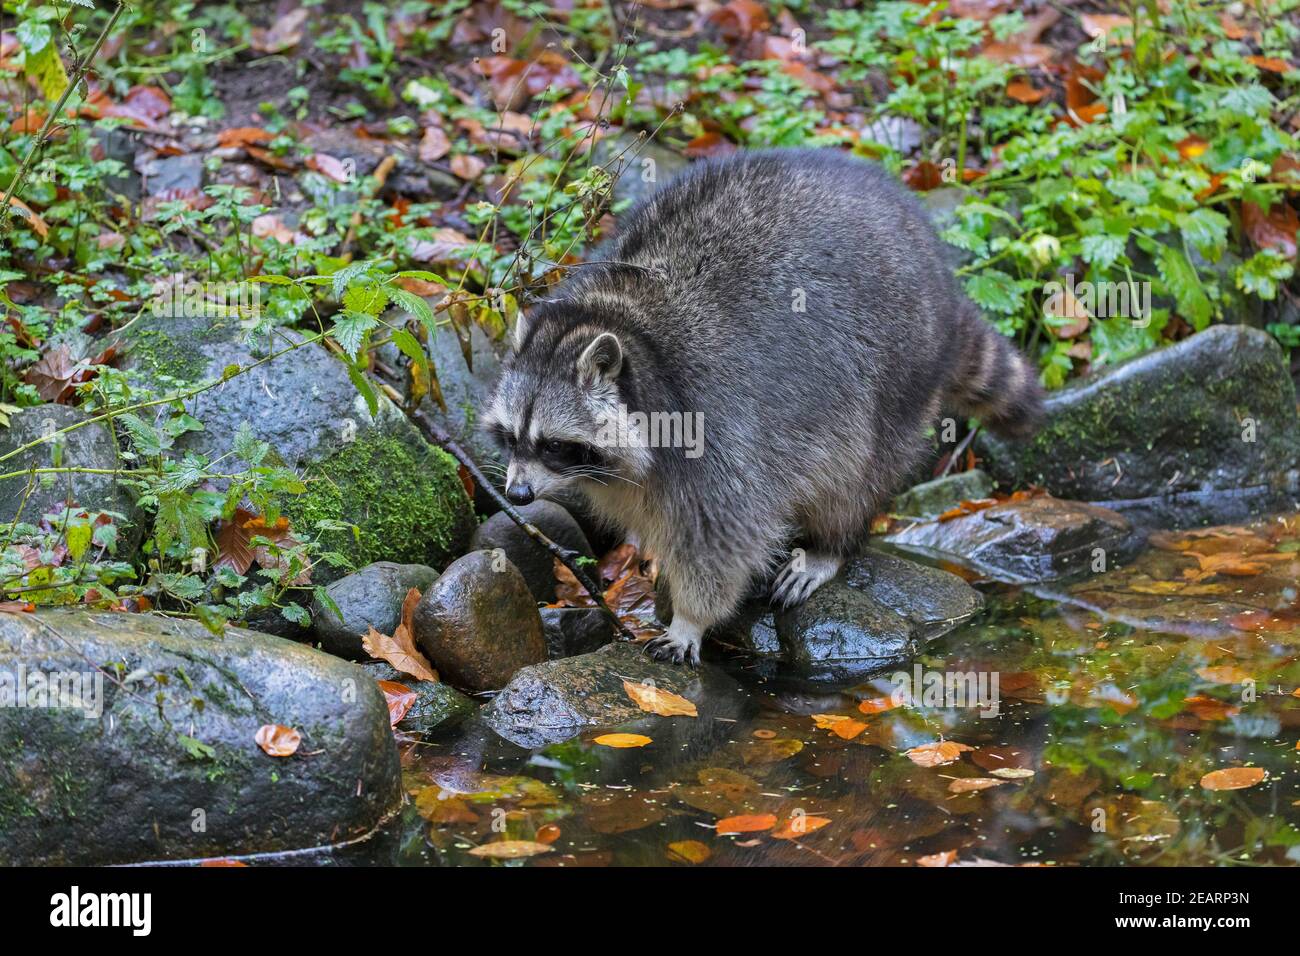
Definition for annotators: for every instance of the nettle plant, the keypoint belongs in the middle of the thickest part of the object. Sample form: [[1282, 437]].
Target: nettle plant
[[1182, 136]]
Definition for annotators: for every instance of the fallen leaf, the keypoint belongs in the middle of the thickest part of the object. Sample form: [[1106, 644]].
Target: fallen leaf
[[242, 136], [1224, 674], [708, 145], [399, 649], [655, 700], [877, 705], [747, 823], [510, 850], [28, 216], [434, 144], [623, 740], [689, 851], [1024, 92], [277, 740], [467, 167], [284, 33], [1103, 24], [1233, 778], [971, 784], [798, 825], [1012, 773], [1020, 54], [938, 753], [1270, 64], [330, 166], [400, 699], [1275, 229], [55, 374]]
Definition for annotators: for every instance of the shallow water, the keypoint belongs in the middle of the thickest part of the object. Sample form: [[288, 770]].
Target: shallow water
[[1114, 698]]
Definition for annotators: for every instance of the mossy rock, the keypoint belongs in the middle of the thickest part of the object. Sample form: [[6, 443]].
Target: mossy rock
[[167, 766], [373, 471], [1216, 412]]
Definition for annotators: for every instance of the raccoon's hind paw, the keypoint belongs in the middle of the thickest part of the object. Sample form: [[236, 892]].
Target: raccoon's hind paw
[[802, 575], [679, 648]]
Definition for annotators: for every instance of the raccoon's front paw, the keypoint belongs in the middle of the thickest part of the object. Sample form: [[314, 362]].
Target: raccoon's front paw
[[675, 648], [803, 575]]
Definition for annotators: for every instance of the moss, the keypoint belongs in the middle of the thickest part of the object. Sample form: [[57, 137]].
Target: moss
[[174, 347], [407, 502]]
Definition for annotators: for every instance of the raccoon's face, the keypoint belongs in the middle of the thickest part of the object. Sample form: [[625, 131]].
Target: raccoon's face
[[559, 422]]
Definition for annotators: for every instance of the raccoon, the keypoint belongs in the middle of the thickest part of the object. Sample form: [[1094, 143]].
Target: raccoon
[[795, 306]]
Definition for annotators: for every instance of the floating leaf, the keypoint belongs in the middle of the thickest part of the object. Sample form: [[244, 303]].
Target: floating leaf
[[689, 851], [1233, 778], [510, 850], [623, 740], [938, 753], [400, 699], [747, 823], [656, 700]]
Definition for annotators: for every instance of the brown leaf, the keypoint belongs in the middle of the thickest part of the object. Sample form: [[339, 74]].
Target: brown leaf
[[1019, 53], [1233, 778], [329, 166], [399, 649], [621, 741], [708, 145], [1024, 92], [54, 375], [400, 699], [1270, 64], [1275, 229], [434, 144], [27, 215], [938, 753], [798, 825], [844, 727], [656, 700], [689, 851], [971, 784], [467, 167], [234, 544], [944, 858], [510, 850], [1103, 24], [277, 740], [242, 136], [284, 33]]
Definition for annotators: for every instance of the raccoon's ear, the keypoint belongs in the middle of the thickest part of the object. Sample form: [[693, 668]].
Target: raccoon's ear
[[602, 360]]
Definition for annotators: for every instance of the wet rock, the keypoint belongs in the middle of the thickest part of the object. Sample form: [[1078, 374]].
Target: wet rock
[[436, 704], [478, 623], [878, 612], [1215, 413], [933, 498], [555, 701], [374, 471], [535, 563], [1025, 542], [371, 597], [575, 630], [174, 744], [91, 446]]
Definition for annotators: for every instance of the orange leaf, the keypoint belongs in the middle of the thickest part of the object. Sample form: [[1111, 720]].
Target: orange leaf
[[1224, 674], [945, 858], [1271, 64], [243, 136], [708, 145], [277, 740], [1019, 53], [1024, 92], [655, 700], [1233, 778], [510, 850], [877, 705], [970, 784], [798, 825], [623, 740], [938, 753], [26, 214], [1275, 229], [400, 698], [1102, 24], [747, 823]]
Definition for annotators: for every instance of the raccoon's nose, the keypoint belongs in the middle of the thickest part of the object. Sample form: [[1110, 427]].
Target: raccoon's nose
[[519, 494]]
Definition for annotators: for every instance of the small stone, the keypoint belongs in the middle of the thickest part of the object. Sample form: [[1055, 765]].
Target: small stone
[[436, 704], [534, 562], [371, 597], [933, 498], [478, 623], [575, 630]]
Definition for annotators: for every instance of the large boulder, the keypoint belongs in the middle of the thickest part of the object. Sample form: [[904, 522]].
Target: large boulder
[[26, 497], [1211, 419], [878, 612], [374, 471], [1028, 541], [163, 764], [555, 701], [534, 562], [478, 623], [371, 597]]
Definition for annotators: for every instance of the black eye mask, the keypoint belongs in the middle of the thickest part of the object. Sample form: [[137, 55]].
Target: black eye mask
[[563, 455]]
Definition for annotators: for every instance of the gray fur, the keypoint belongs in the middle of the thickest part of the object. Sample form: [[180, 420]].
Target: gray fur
[[810, 418]]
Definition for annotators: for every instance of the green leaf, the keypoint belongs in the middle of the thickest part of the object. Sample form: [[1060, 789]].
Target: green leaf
[[1206, 230], [1182, 282], [413, 304], [350, 330], [363, 386], [1102, 250], [995, 291]]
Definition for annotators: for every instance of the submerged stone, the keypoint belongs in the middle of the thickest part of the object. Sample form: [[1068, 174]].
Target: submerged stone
[[555, 701], [163, 764], [1024, 542]]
